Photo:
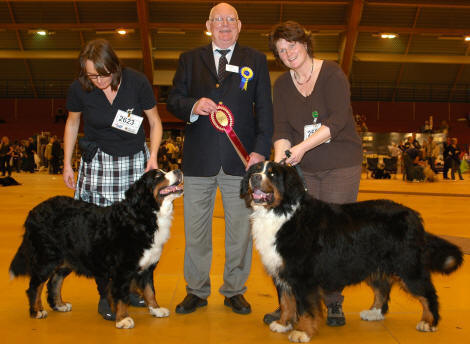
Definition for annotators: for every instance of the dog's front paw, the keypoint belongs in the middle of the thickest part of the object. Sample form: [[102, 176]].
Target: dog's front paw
[[127, 322], [373, 314], [299, 337], [159, 312], [65, 307], [42, 314], [424, 326], [275, 326]]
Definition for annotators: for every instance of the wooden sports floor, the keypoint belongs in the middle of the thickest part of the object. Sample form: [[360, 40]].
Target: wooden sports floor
[[445, 207]]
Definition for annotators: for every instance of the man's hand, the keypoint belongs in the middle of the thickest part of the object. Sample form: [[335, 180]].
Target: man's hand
[[254, 158], [204, 107]]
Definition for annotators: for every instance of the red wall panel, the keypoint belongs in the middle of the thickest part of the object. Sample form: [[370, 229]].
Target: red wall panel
[[25, 117]]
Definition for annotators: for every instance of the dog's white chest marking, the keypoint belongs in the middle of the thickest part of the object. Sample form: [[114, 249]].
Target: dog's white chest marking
[[161, 236], [265, 225]]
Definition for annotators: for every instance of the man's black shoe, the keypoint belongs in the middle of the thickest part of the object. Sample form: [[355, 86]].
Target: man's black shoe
[[238, 304], [105, 310], [273, 316], [136, 300], [190, 303]]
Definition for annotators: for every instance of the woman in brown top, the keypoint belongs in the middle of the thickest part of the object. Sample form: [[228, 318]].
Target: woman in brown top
[[313, 120]]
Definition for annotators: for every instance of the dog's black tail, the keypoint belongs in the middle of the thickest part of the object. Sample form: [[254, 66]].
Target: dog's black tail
[[19, 265], [441, 255]]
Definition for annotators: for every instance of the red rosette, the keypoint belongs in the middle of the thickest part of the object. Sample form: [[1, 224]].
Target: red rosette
[[222, 120]]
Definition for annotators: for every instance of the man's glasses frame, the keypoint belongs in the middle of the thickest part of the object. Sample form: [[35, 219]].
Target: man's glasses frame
[[219, 20]]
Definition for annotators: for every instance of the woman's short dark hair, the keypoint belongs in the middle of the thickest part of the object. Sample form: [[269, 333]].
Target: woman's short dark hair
[[291, 31], [105, 60]]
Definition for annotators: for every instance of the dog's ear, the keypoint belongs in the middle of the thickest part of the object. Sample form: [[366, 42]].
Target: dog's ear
[[293, 183], [245, 183]]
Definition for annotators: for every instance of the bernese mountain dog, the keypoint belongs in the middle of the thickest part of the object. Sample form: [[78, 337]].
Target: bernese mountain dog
[[308, 246], [122, 242]]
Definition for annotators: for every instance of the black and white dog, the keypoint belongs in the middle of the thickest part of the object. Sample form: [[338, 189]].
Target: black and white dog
[[308, 246], [122, 242]]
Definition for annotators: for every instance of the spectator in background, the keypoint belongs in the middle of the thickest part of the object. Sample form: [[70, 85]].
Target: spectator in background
[[411, 142], [32, 143], [56, 155], [414, 141], [5, 156], [430, 152], [414, 166], [394, 150], [454, 155], [28, 157], [447, 158], [16, 157], [48, 155]]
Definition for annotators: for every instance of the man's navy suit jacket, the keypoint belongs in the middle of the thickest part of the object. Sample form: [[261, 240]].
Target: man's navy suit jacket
[[206, 149]]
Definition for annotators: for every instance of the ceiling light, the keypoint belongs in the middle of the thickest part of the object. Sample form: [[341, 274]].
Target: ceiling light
[[40, 32], [388, 35], [113, 32], [208, 33], [123, 32], [467, 38]]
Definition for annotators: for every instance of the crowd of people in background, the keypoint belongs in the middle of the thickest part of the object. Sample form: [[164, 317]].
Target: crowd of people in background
[[36, 153], [170, 153], [420, 159], [25, 156]]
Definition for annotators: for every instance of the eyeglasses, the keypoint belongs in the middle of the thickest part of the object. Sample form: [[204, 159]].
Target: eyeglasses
[[96, 76], [220, 20]]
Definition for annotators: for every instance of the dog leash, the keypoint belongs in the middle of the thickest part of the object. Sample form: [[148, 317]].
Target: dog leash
[[297, 168]]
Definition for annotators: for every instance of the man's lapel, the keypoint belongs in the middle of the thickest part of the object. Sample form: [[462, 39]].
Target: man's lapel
[[208, 58]]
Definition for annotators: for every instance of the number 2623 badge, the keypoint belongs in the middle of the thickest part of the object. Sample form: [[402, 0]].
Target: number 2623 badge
[[127, 121]]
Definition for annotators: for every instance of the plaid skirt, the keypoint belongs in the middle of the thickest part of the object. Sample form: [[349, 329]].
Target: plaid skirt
[[106, 178]]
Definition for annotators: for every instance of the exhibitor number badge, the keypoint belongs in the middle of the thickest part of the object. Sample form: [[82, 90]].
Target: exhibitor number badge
[[127, 121]]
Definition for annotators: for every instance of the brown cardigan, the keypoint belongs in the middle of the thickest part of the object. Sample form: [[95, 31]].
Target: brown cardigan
[[331, 98]]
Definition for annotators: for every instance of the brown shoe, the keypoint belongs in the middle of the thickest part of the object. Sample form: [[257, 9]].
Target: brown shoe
[[238, 304], [190, 303]]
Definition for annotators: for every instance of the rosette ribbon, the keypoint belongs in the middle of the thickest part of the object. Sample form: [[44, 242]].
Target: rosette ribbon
[[222, 120], [247, 74]]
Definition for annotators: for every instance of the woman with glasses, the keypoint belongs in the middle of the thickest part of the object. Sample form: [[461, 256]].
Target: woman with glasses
[[313, 121], [112, 100]]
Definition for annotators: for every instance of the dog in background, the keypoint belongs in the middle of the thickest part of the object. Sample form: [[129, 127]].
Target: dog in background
[[308, 246], [429, 175], [122, 242]]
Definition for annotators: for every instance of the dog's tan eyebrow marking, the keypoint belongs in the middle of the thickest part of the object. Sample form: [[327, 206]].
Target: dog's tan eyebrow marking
[[264, 167]]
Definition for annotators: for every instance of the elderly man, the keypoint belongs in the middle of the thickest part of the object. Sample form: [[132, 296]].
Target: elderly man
[[237, 77]]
